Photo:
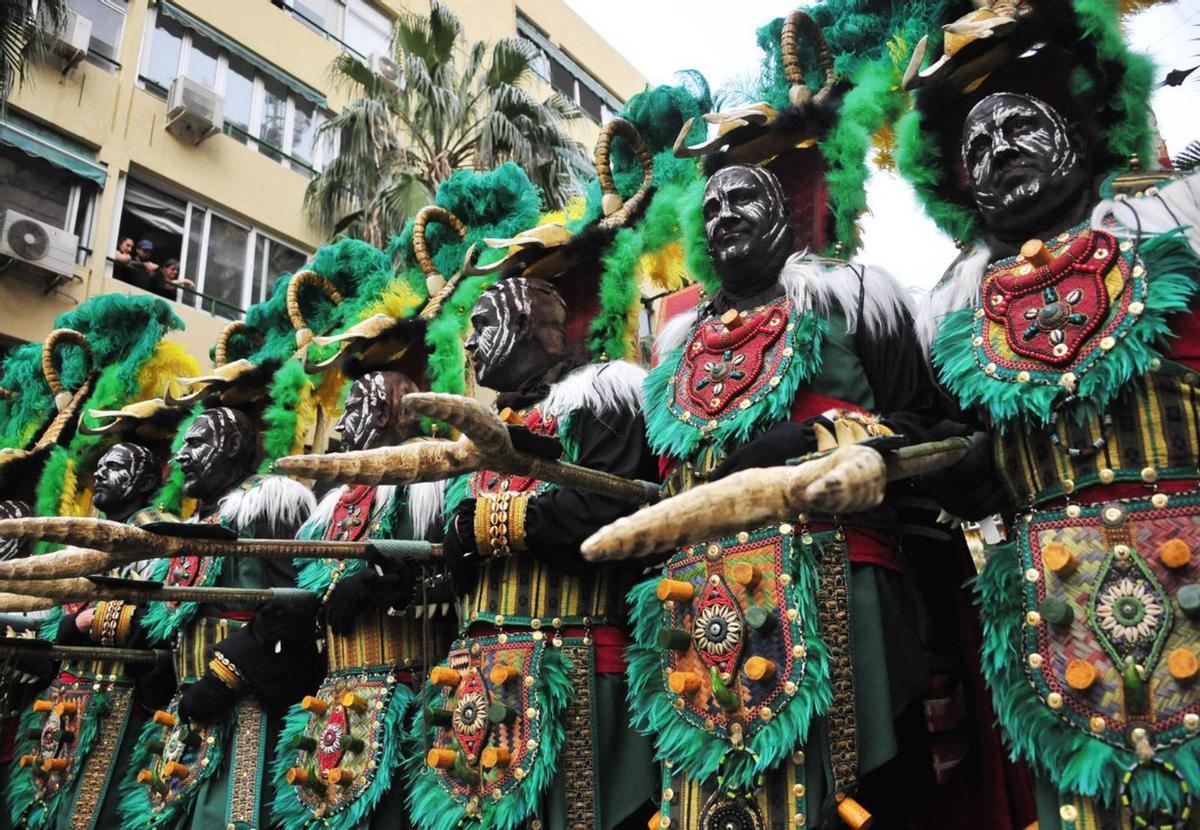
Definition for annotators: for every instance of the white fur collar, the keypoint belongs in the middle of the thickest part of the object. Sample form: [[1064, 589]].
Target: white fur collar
[[809, 283], [601, 388], [278, 500], [957, 289]]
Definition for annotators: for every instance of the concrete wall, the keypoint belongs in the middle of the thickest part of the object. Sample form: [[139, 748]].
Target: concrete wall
[[105, 110]]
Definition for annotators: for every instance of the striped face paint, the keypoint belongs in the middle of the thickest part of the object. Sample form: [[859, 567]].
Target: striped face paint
[[208, 459], [500, 320], [121, 474], [359, 423], [746, 224], [13, 509], [1017, 151]]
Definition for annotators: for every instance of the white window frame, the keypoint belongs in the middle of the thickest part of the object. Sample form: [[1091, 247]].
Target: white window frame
[[111, 64], [257, 99], [270, 240]]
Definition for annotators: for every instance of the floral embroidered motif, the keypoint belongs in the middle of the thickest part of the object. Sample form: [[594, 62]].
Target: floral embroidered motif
[[717, 628], [1129, 611]]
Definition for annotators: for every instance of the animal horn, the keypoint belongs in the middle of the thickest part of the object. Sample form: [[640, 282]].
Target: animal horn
[[751, 498], [100, 534], [616, 213], [59, 564], [62, 395], [406, 464], [799, 23], [434, 281], [467, 415], [14, 603], [221, 351], [295, 314], [60, 589]]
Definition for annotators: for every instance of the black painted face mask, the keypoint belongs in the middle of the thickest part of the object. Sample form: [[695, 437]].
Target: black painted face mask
[[1022, 163], [746, 225], [122, 477]]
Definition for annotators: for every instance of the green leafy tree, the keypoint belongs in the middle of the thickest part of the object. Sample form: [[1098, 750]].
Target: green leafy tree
[[459, 105], [22, 23]]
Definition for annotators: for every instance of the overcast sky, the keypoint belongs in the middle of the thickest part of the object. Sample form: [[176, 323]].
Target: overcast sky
[[717, 38]]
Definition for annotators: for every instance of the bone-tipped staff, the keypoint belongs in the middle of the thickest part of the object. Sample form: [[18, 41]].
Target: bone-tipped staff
[[110, 544], [849, 479], [23, 648], [94, 589], [486, 445]]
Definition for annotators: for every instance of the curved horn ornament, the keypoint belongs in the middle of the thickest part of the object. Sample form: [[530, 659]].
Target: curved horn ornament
[[407, 464], [848, 480], [467, 415]]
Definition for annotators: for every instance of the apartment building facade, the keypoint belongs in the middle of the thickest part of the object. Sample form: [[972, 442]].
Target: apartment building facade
[[89, 157]]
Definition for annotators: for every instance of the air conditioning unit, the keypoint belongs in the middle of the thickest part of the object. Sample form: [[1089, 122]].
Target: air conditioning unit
[[386, 69], [30, 240], [71, 42], [194, 112]]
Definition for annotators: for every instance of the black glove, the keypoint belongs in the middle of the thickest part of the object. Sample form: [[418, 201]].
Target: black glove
[[772, 448], [155, 681], [368, 589], [207, 700], [971, 489], [68, 634], [458, 548]]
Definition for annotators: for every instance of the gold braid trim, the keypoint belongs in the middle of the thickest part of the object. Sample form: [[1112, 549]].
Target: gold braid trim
[[483, 509], [106, 627], [226, 671], [516, 521]]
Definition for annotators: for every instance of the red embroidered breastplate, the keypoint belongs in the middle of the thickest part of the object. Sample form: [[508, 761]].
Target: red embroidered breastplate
[[724, 371], [484, 482], [1049, 312], [351, 518]]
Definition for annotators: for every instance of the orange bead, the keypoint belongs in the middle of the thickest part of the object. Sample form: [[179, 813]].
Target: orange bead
[[445, 676], [145, 776], [674, 589], [683, 682], [502, 674], [1175, 553], [1183, 664], [853, 814], [746, 575], [314, 705], [759, 669], [1081, 675], [164, 718], [340, 777], [354, 703], [173, 769], [1059, 560], [655, 822], [297, 776], [26, 760], [54, 764], [43, 706], [65, 709], [441, 758], [495, 756]]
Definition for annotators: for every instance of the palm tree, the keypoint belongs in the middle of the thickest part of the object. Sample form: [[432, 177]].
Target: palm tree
[[459, 105], [22, 23]]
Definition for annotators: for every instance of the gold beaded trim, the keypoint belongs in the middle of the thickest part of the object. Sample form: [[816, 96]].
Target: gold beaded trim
[[226, 671], [111, 622]]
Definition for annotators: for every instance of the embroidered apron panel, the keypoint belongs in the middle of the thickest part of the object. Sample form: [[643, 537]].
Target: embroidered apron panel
[[1107, 643], [345, 733], [180, 760], [54, 764], [733, 653], [492, 720]]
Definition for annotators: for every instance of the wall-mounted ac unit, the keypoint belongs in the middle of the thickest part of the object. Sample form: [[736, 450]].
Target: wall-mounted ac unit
[[194, 112], [71, 42], [30, 240], [386, 69]]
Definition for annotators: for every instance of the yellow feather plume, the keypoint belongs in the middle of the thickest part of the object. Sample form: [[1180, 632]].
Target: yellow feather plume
[[170, 361]]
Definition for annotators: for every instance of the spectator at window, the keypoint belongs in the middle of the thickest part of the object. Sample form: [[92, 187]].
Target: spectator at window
[[124, 251], [170, 275], [145, 256]]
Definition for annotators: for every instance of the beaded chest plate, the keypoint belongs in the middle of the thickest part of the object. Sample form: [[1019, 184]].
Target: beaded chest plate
[[337, 755], [1111, 606], [1050, 325], [725, 371], [496, 708], [732, 641]]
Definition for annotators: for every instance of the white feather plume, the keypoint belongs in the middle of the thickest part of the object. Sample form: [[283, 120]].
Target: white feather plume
[[602, 389], [278, 500]]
